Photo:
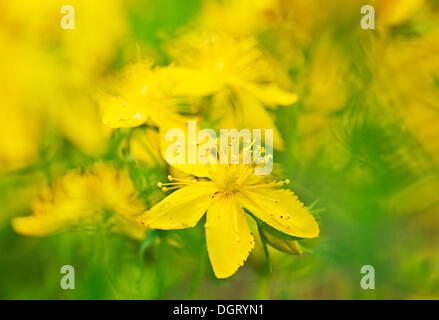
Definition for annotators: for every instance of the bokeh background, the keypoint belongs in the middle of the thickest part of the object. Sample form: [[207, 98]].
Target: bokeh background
[[361, 146]]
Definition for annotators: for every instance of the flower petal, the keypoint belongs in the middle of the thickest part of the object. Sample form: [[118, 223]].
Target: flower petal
[[260, 118], [228, 236], [181, 209], [144, 146], [194, 82], [38, 226], [119, 114], [271, 95], [282, 210], [178, 150]]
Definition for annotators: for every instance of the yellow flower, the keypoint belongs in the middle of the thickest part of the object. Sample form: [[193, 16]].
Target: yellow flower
[[144, 146], [89, 47], [19, 137], [393, 12], [48, 73], [228, 190], [144, 95], [100, 197], [235, 74], [240, 18]]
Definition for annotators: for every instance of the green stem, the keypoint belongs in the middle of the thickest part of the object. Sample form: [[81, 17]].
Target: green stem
[[161, 265], [198, 275], [264, 246]]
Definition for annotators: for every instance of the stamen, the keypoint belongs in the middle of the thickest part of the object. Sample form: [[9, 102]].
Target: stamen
[[160, 184], [166, 189], [171, 178], [174, 185], [271, 184]]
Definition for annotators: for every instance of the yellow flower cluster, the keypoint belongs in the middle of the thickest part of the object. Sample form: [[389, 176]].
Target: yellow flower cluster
[[232, 82], [48, 75], [220, 77], [101, 197], [236, 66]]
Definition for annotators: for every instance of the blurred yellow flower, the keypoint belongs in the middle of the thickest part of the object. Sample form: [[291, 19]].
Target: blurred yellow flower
[[228, 190], [19, 138], [237, 76], [21, 123], [101, 197], [397, 12], [144, 94], [407, 90], [323, 85], [88, 47], [48, 72], [237, 17], [144, 146]]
